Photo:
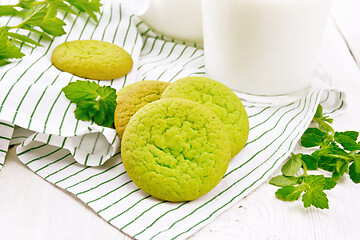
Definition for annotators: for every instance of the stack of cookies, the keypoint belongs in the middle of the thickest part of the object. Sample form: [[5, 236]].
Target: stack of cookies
[[178, 139]]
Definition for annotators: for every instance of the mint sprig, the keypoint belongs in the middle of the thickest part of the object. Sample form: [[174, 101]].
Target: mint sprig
[[336, 152], [93, 102]]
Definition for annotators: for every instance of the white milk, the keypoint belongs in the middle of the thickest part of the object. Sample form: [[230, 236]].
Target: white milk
[[263, 47], [179, 19]]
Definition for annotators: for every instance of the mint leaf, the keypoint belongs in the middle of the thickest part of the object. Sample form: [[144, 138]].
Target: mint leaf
[[35, 15], [23, 38], [354, 170], [329, 183], [7, 10], [90, 7], [7, 49], [315, 197], [341, 168], [347, 140], [290, 193], [53, 26], [351, 134], [80, 91], [333, 158], [107, 94], [292, 166], [320, 181], [313, 137], [282, 181], [63, 6], [323, 121], [332, 150], [327, 163], [319, 112], [315, 181], [27, 4], [93, 103], [85, 111], [41, 33], [4, 62], [310, 161]]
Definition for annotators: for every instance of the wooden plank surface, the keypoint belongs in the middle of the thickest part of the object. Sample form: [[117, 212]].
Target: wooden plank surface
[[32, 208], [347, 16]]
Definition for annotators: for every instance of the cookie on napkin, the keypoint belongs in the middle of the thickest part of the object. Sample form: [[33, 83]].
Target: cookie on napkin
[[175, 149], [135, 98], [221, 100], [125, 89], [92, 59]]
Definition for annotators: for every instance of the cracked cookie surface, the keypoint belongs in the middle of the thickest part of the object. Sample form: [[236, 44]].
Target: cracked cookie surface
[[92, 59], [136, 96], [175, 149], [123, 90], [221, 100]]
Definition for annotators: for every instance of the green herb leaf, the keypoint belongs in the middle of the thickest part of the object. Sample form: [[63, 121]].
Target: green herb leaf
[[63, 6], [329, 183], [4, 62], [35, 15], [85, 111], [310, 161], [7, 49], [354, 170], [323, 120], [319, 112], [351, 134], [316, 197], [313, 137], [282, 181], [42, 34], [81, 91], [23, 38], [93, 102], [328, 163], [348, 140], [53, 26], [6, 10], [27, 4], [333, 159], [90, 7], [335, 152], [341, 167], [290, 193], [315, 181], [319, 181], [292, 166]]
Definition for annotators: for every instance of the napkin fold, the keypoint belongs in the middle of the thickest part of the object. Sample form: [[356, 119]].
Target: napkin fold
[[83, 158]]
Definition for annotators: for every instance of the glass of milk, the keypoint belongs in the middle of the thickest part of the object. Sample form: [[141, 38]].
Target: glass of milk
[[178, 19], [266, 49]]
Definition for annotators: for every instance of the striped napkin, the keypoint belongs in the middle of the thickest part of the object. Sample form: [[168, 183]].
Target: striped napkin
[[83, 158]]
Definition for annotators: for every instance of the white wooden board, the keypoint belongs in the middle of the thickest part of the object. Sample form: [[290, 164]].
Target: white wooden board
[[34, 209]]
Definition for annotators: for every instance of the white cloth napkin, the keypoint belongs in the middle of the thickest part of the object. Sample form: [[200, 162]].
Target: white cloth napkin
[[83, 158]]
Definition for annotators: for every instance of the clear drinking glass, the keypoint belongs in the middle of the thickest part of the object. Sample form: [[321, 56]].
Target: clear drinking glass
[[178, 19], [266, 49]]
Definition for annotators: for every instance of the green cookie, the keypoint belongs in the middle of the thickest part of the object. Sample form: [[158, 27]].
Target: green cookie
[[92, 59], [134, 98], [175, 149], [125, 89], [221, 100]]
